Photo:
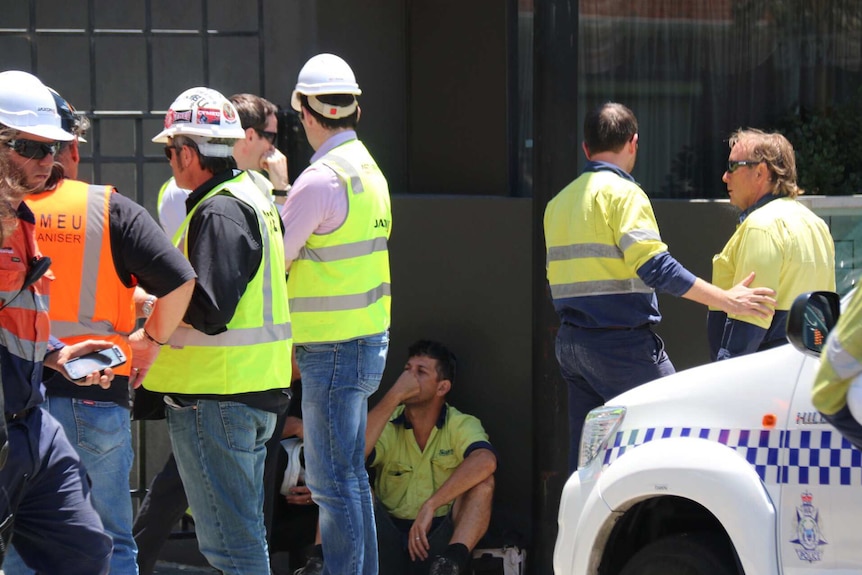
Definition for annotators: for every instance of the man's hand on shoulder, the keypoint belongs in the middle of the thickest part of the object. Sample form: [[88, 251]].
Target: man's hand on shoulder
[[743, 300]]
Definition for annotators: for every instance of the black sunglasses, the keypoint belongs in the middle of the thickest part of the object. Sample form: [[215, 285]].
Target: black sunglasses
[[733, 165], [32, 149], [169, 152], [38, 267], [269, 136]]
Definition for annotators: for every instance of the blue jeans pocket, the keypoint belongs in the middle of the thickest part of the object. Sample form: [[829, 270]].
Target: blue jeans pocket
[[241, 424], [372, 361], [101, 426]]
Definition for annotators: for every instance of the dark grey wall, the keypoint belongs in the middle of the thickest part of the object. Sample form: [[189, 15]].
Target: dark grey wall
[[694, 232], [460, 275]]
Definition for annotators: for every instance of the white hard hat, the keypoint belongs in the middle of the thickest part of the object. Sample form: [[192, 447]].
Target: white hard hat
[[326, 74], [27, 105], [203, 115]]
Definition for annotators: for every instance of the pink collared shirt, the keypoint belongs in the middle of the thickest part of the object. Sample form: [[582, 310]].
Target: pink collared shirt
[[317, 203]]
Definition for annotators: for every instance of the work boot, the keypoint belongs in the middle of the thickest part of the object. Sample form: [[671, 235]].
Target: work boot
[[313, 567], [443, 566]]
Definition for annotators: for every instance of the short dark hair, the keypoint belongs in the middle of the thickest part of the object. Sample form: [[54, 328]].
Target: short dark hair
[[339, 100], [253, 110], [446, 361], [609, 127]]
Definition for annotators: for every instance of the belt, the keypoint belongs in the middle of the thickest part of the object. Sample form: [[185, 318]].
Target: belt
[[19, 415], [610, 327]]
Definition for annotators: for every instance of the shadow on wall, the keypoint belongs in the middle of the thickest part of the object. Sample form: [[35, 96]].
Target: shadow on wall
[[461, 274]]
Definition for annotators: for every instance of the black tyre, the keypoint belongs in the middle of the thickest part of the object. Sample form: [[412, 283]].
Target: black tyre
[[684, 555]]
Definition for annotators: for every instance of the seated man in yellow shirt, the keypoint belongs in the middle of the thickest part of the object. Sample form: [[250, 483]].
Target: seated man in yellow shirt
[[786, 245], [435, 470]]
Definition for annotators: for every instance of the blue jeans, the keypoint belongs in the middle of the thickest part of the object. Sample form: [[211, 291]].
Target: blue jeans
[[43, 483], [599, 364], [220, 451], [100, 431], [337, 380]]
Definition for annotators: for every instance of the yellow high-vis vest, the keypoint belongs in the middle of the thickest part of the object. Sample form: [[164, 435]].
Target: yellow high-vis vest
[[254, 353], [339, 285]]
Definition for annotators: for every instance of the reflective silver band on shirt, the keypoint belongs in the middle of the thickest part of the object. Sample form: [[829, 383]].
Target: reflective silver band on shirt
[[599, 287]]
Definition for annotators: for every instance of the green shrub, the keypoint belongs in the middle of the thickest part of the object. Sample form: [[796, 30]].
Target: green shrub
[[828, 148]]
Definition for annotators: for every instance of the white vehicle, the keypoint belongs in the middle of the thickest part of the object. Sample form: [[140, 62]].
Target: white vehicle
[[722, 469]]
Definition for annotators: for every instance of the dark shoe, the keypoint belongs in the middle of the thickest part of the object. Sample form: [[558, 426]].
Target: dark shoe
[[444, 566], [313, 567]]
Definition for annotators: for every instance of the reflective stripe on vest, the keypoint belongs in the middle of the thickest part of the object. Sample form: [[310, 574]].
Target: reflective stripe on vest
[[253, 354], [347, 169], [339, 285], [345, 251], [340, 302]]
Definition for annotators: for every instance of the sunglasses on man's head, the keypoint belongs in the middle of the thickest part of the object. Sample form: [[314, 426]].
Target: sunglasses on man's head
[[269, 136], [733, 165], [32, 149]]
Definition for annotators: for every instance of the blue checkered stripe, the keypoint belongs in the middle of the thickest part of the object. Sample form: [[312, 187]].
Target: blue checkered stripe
[[796, 457]]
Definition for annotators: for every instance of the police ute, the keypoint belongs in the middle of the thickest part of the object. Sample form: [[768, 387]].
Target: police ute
[[723, 469]]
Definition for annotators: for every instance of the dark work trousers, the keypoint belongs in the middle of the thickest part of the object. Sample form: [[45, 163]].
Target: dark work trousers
[[392, 543], [4, 446], [45, 501], [166, 502], [599, 364], [161, 509]]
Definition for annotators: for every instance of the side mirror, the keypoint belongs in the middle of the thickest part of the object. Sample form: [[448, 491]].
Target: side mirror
[[812, 316]]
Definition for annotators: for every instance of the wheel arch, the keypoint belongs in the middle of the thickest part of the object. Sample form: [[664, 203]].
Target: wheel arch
[[688, 482]]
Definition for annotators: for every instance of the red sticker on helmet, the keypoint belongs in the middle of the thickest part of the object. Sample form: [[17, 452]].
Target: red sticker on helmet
[[208, 116], [229, 115]]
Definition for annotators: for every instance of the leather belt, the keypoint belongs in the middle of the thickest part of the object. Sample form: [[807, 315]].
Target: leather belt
[[19, 415]]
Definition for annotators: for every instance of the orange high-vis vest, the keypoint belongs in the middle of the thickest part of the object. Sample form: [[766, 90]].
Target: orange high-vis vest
[[88, 300]]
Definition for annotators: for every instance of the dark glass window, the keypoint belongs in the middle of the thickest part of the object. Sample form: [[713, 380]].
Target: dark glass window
[[695, 70]]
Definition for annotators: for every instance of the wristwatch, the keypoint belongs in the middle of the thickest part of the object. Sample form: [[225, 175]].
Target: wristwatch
[[147, 306]]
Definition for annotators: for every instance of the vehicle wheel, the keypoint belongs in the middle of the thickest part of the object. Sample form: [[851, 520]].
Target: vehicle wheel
[[683, 555]]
